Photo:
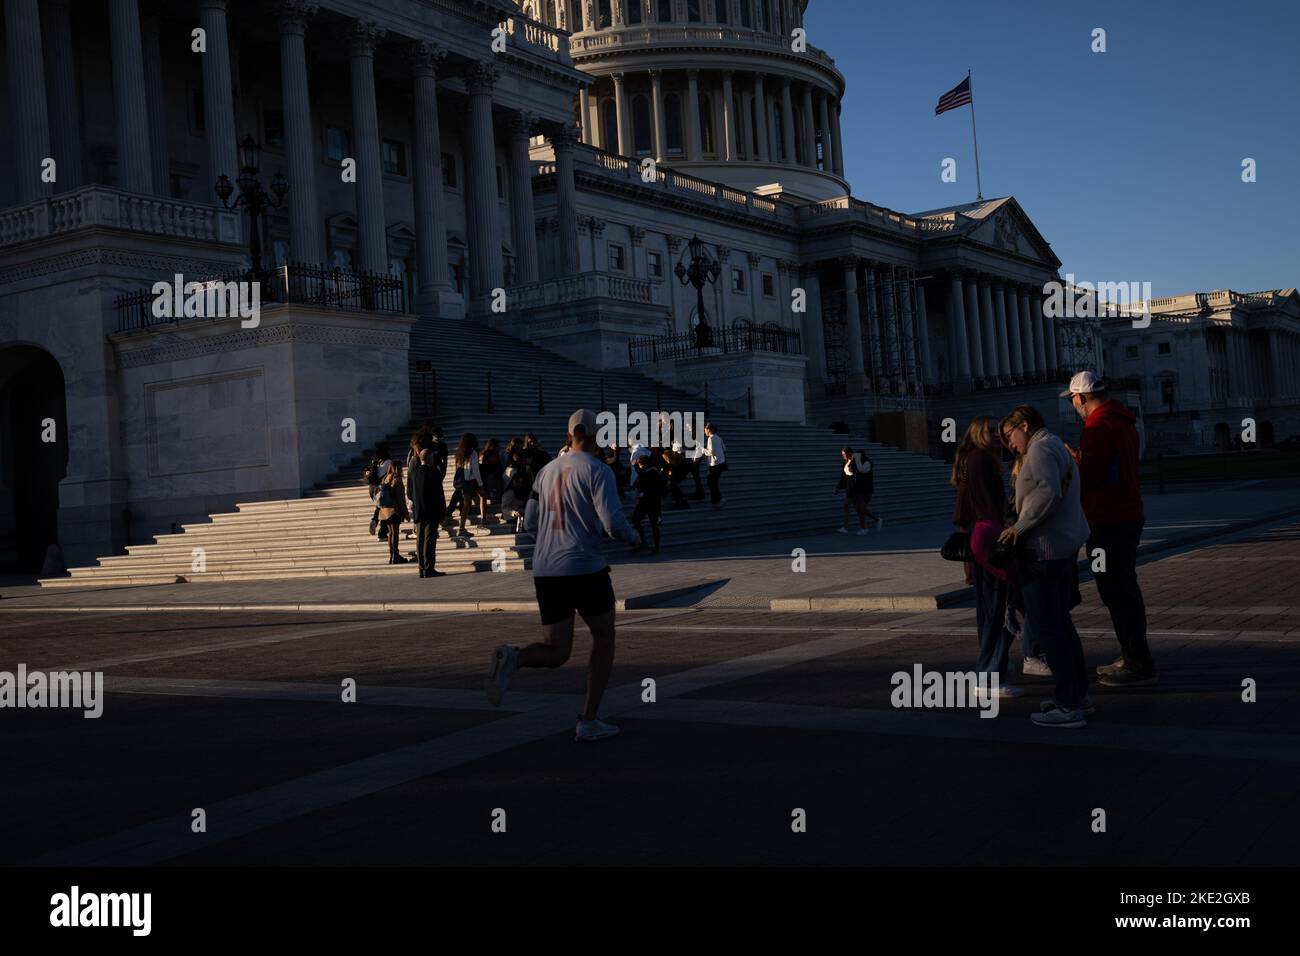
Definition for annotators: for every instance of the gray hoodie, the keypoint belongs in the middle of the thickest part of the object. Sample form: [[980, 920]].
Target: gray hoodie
[[1051, 520]]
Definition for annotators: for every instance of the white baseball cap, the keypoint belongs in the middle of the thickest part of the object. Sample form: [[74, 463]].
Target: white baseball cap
[[586, 418], [1084, 383]]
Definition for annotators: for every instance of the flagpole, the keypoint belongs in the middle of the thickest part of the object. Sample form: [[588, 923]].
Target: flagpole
[[979, 189]]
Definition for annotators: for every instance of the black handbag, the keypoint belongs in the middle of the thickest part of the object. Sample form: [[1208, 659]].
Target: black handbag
[[957, 547]]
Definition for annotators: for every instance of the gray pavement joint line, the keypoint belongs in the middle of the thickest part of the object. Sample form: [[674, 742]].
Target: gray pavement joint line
[[170, 836], [265, 639]]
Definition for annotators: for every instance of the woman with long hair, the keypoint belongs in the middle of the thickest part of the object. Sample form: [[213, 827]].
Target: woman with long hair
[[858, 482], [392, 509], [492, 468], [980, 509], [468, 480], [1050, 528]]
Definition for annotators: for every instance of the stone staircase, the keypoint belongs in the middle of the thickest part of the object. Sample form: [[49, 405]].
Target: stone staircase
[[778, 484]]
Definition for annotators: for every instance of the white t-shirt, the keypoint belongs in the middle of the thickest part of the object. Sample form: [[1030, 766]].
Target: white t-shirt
[[716, 449], [573, 498], [470, 471]]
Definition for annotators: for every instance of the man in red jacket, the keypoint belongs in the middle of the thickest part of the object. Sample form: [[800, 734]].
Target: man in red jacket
[[1112, 503]]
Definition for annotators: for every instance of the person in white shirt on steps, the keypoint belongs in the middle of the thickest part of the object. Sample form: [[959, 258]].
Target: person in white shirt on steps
[[715, 449], [574, 497], [858, 482]]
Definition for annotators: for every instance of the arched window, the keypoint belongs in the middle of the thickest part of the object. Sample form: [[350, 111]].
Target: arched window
[[604, 15], [673, 122], [721, 12], [693, 10], [609, 126], [665, 11], [640, 125], [706, 123], [633, 11]]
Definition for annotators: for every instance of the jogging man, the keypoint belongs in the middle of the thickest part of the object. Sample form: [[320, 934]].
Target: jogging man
[[1112, 502], [574, 497]]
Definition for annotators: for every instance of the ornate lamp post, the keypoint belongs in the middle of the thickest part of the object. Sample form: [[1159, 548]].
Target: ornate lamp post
[[255, 200], [703, 269]]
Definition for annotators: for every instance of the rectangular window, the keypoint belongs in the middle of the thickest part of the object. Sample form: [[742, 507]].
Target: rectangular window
[[1131, 351], [615, 257], [655, 261], [394, 153], [737, 280], [1167, 395], [337, 145], [273, 129], [448, 171], [1164, 348], [769, 285]]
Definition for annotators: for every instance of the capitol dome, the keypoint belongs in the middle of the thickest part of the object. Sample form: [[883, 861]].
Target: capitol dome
[[714, 88]]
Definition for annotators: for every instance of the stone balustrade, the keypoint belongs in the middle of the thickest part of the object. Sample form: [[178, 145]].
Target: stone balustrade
[[576, 288], [538, 38], [651, 36], [105, 207]]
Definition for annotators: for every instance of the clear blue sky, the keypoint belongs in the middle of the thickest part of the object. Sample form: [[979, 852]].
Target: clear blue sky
[[1128, 161]]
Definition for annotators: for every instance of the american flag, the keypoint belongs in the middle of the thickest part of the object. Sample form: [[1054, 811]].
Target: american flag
[[959, 95]]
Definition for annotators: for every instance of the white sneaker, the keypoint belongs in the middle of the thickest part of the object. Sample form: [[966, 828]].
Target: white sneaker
[[1085, 706], [880, 523], [1036, 667], [1067, 719], [1003, 691], [841, 530], [593, 730], [505, 659], [861, 531]]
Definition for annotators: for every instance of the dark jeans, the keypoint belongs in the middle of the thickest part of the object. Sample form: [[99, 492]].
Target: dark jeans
[[715, 475], [394, 526], [1119, 590], [1046, 587], [990, 617], [652, 512], [426, 545]]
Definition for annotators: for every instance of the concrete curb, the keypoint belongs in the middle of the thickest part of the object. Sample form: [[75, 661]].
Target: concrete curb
[[650, 600], [966, 595]]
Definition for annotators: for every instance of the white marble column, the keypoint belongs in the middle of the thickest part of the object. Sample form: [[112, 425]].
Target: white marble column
[[787, 123], [218, 96], [563, 141], [131, 103], [1036, 324], [828, 147], [923, 336], [306, 241], [760, 117], [153, 87], [430, 214], [584, 113], [959, 363], [692, 114], [1013, 330], [624, 146], [974, 327], [728, 119], [1049, 334], [1000, 325], [657, 105], [61, 93], [372, 239], [484, 222], [29, 115], [813, 338], [1027, 343], [853, 321], [809, 128], [988, 333], [521, 198], [836, 142], [907, 330], [891, 345], [875, 343]]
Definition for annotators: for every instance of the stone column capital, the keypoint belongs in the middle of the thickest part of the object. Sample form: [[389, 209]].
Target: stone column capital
[[755, 259], [522, 123], [426, 58], [674, 242], [295, 14], [480, 77], [724, 253], [806, 269], [617, 76], [851, 263], [637, 235], [563, 138], [655, 74], [693, 75], [728, 74], [363, 37]]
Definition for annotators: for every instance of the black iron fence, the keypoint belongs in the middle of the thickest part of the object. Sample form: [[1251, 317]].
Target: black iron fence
[[739, 338], [217, 296]]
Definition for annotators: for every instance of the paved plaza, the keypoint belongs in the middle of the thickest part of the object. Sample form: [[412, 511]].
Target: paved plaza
[[757, 714]]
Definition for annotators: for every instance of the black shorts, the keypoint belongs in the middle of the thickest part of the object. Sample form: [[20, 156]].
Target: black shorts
[[559, 596]]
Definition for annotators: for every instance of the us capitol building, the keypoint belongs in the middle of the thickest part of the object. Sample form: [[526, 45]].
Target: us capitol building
[[542, 168]]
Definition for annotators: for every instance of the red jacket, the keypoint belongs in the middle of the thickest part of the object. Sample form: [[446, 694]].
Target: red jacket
[[1108, 465]]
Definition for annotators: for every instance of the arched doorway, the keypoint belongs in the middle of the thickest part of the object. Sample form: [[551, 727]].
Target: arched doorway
[[31, 467]]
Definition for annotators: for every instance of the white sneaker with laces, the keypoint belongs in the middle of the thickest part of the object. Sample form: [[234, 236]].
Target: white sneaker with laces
[[1036, 667], [841, 530], [1085, 705], [880, 523], [505, 659], [860, 532], [593, 730], [1067, 719]]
